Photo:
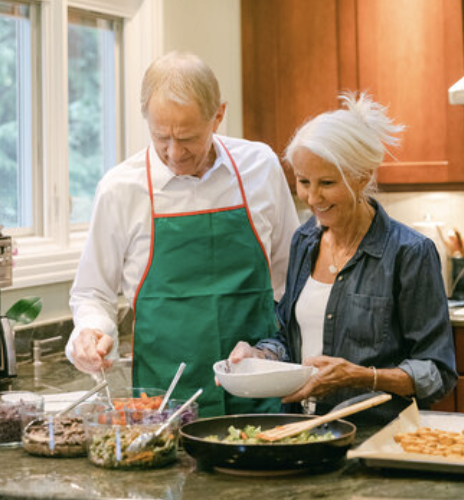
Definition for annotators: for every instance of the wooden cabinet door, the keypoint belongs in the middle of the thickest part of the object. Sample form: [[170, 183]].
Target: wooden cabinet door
[[299, 54], [409, 52], [289, 64]]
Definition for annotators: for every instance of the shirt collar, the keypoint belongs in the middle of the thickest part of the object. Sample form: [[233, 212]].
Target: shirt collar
[[374, 242], [161, 175]]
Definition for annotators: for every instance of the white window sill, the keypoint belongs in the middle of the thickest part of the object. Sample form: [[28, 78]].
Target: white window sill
[[40, 261]]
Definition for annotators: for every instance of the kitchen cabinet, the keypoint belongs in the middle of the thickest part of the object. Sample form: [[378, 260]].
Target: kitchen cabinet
[[298, 55], [455, 400]]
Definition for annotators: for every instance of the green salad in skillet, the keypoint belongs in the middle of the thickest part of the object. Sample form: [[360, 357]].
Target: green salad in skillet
[[249, 435]]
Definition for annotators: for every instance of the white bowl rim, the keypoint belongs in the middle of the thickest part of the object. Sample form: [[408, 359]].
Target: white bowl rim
[[280, 367]]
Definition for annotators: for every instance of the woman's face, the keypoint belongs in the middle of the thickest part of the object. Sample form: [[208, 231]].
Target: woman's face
[[320, 185]]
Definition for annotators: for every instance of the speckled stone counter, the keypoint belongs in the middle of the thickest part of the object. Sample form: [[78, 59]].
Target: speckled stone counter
[[26, 477]]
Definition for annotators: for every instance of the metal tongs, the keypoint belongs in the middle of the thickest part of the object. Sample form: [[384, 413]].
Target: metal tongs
[[71, 406], [142, 441], [171, 387]]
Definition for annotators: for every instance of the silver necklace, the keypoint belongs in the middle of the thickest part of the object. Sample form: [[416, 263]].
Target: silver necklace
[[333, 268]]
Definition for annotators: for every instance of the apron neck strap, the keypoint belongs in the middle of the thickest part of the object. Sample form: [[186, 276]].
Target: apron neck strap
[[150, 186], [240, 184]]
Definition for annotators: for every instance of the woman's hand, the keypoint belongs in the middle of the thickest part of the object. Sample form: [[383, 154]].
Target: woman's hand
[[244, 350], [240, 351], [90, 349], [333, 373]]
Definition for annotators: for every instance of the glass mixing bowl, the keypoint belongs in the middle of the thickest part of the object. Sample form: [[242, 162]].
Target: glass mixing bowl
[[108, 440]]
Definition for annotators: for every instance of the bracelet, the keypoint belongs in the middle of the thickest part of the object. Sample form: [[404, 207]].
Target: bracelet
[[374, 383]]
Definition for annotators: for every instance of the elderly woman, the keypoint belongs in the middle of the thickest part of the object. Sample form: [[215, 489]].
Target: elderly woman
[[364, 301]]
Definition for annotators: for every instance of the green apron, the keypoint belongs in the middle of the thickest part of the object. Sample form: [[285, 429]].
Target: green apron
[[206, 286]]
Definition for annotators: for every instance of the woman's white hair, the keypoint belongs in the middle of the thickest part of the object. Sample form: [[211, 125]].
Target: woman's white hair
[[183, 78], [354, 138]]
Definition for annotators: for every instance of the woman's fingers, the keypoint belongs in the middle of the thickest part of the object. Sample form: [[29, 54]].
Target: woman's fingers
[[332, 373], [240, 351]]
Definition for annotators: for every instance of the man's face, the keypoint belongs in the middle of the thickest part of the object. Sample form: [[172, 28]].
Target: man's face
[[182, 137]]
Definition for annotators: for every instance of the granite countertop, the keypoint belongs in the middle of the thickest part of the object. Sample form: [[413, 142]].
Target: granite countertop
[[23, 476], [457, 316]]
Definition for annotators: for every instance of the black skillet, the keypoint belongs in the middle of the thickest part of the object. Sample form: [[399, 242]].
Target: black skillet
[[264, 457]]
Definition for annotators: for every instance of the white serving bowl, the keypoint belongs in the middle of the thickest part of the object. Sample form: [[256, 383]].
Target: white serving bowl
[[261, 378]]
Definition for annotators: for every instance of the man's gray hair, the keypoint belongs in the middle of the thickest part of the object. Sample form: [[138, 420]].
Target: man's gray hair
[[183, 78]]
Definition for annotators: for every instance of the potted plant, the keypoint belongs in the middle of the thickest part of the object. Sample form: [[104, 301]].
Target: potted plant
[[22, 312]]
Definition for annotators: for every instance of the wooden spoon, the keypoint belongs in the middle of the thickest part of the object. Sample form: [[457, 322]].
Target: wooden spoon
[[283, 431]]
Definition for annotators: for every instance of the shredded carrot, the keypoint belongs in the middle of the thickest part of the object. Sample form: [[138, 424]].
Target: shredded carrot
[[143, 456], [144, 402]]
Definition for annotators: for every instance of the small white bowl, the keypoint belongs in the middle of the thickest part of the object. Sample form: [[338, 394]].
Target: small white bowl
[[261, 378]]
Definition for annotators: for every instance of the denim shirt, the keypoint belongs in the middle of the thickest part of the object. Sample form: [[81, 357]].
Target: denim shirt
[[387, 308]]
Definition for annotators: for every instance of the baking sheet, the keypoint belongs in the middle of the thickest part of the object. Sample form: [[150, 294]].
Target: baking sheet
[[380, 450]]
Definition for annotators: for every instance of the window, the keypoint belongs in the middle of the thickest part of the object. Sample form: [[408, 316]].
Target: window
[[92, 97], [93, 100], [17, 31], [69, 111]]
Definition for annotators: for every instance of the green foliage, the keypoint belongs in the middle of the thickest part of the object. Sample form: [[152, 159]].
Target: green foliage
[[8, 122], [25, 310], [85, 90], [85, 111]]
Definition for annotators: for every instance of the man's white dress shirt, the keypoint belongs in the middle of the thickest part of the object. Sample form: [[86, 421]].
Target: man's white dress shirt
[[118, 244]]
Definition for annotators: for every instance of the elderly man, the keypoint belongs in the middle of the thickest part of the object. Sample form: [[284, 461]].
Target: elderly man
[[196, 231]]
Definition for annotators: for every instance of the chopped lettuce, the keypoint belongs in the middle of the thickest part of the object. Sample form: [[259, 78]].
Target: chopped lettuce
[[249, 435]]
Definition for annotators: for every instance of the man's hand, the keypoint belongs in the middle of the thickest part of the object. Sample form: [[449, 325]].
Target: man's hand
[[90, 349]]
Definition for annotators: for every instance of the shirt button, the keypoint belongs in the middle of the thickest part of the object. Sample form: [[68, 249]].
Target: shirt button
[[329, 316], [340, 278]]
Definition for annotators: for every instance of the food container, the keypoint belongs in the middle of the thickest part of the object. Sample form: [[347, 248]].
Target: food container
[[188, 415], [108, 440], [12, 404], [140, 398], [48, 434], [264, 459], [261, 378]]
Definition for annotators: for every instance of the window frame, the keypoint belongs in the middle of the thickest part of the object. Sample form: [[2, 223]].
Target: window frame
[[52, 253], [117, 97]]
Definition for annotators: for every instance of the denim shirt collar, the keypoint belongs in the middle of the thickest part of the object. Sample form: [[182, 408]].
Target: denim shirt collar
[[375, 240]]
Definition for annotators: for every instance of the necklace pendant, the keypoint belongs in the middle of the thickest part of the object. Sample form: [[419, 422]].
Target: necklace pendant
[[333, 269]]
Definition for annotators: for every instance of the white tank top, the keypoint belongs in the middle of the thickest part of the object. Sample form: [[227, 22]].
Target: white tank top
[[310, 312]]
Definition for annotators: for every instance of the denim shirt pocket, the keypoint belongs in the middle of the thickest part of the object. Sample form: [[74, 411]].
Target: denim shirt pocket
[[366, 323]]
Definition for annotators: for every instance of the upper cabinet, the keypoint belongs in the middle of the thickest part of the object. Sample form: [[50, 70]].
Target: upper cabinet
[[299, 54]]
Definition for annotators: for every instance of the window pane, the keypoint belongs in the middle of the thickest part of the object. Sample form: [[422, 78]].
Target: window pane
[[15, 115], [92, 106]]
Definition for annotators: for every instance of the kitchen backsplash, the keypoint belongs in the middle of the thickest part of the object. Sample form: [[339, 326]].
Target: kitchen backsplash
[[25, 335], [446, 207]]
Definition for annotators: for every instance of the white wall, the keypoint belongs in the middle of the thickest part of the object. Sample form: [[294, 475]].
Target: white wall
[[210, 29]]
